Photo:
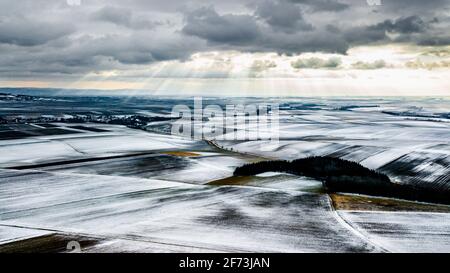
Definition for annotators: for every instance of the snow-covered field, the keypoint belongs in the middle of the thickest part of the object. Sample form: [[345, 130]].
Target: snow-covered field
[[117, 140], [136, 191], [410, 150], [119, 202], [404, 231], [165, 213]]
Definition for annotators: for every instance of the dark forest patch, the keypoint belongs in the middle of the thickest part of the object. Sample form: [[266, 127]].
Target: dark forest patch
[[339, 175]]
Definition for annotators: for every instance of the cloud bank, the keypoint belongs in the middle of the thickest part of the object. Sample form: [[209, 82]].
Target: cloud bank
[[46, 39]]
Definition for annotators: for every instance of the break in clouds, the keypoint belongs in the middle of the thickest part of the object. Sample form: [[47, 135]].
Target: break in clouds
[[49, 38]]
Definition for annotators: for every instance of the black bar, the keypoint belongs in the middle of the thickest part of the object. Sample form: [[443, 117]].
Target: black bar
[[308, 263]]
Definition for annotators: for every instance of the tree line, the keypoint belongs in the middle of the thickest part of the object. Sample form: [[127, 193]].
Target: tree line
[[339, 175]]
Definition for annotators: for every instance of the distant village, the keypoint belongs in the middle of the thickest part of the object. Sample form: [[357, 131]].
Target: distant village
[[131, 121]]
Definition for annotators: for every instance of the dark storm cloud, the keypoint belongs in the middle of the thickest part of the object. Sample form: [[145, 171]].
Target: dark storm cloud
[[281, 26], [24, 32], [206, 23], [411, 24], [434, 41], [407, 29], [249, 33], [124, 17], [89, 54], [49, 36], [282, 16]]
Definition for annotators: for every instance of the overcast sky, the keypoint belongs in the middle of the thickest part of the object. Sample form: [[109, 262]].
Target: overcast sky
[[255, 47]]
